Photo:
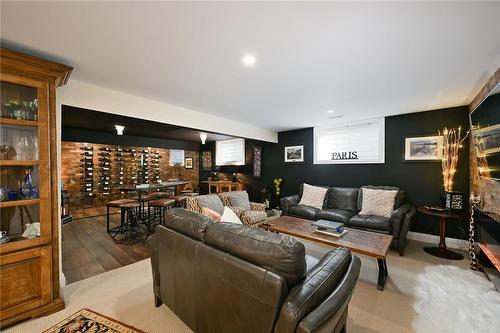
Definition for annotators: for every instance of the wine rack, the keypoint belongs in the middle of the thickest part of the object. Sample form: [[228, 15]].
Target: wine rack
[[87, 169], [105, 171], [155, 167], [119, 179], [117, 166]]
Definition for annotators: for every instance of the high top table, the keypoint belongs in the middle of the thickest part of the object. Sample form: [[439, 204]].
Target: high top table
[[365, 242], [141, 190]]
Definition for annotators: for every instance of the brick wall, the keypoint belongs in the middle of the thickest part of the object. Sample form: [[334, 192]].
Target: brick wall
[[72, 174]]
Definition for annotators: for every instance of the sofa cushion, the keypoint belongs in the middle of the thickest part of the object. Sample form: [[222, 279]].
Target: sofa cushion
[[236, 199], [400, 197], [281, 254], [378, 202], [313, 196], [303, 211], [371, 222], [342, 198], [337, 215], [188, 223], [211, 201]]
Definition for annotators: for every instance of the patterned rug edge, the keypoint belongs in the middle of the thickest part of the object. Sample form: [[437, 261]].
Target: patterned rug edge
[[66, 319]]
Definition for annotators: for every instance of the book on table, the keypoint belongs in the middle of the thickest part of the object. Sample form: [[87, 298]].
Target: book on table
[[330, 227]]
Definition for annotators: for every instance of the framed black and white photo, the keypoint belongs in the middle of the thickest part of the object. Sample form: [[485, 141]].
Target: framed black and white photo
[[294, 154], [257, 162], [188, 162], [424, 148]]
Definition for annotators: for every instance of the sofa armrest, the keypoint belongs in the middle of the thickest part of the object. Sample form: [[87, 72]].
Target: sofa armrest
[[288, 202], [153, 251], [237, 210], [397, 218], [405, 227], [257, 206], [324, 294]]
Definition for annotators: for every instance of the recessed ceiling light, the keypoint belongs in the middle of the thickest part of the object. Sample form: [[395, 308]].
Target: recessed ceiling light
[[330, 111], [249, 60]]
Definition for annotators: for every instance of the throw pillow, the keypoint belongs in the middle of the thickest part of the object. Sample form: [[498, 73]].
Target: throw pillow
[[229, 216], [313, 196], [211, 213], [239, 199], [211, 201], [378, 202]]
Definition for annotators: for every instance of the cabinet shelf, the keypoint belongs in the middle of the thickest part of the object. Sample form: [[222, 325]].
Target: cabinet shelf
[[8, 121], [15, 203], [5, 163]]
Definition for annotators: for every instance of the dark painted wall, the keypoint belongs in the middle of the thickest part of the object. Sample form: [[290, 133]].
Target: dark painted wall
[[421, 180]]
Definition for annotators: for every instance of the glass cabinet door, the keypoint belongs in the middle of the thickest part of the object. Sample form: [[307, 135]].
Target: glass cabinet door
[[24, 172]]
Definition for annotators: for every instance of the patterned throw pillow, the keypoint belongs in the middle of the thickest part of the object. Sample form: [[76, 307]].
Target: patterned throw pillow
[[378, 202], [313, 196]]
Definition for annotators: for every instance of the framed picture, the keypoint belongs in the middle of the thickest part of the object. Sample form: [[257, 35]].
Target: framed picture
[[206, 160], [423, 148], [188, 162], [294, 154], [257, 162]]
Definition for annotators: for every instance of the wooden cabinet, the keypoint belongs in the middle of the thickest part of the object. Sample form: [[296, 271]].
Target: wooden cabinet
[[29, 210]]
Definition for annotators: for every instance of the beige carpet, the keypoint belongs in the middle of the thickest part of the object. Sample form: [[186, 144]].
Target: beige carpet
[[125, 294]]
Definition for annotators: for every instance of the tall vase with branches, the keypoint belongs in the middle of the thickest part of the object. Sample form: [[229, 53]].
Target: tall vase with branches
[[452, 141]]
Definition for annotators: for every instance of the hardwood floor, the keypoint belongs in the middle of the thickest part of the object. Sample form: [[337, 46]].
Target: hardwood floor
[[88, 250]]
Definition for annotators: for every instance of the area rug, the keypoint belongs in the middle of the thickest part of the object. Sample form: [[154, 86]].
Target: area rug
[[451, 299], [90, 321]]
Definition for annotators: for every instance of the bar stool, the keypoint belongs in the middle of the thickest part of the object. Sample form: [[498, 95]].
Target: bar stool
[[180, 200], [144, 199], [116, 204], [129, 210], [162, 205], [160, 195]]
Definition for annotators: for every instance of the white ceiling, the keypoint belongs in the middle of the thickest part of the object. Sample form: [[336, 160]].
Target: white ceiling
[[360, 59]]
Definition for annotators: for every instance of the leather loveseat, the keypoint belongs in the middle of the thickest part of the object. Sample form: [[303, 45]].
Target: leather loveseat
[[226, 277], [343, 204]]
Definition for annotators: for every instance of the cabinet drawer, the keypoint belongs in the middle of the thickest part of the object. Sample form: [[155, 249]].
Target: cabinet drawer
[[25, 280]]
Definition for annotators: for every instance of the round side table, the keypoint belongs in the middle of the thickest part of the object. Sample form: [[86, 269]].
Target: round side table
[[442, 251]]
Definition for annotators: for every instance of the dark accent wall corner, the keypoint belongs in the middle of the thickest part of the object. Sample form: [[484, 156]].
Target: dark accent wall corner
[[421, 180]]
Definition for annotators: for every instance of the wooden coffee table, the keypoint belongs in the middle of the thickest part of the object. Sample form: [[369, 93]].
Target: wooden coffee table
[[365, 242]]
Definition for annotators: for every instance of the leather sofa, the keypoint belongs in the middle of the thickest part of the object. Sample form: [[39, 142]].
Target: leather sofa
[[343, 205], [226, 277]]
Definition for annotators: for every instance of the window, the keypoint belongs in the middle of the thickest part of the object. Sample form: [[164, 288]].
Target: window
[[352, 143], [176, 157], [230, 152]]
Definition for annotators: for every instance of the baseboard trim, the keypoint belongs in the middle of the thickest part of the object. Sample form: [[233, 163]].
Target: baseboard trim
[[453, 243]]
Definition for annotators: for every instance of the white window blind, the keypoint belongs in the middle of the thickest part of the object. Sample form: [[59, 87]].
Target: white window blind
[[230, 152], [351, 143], [176, 157]]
